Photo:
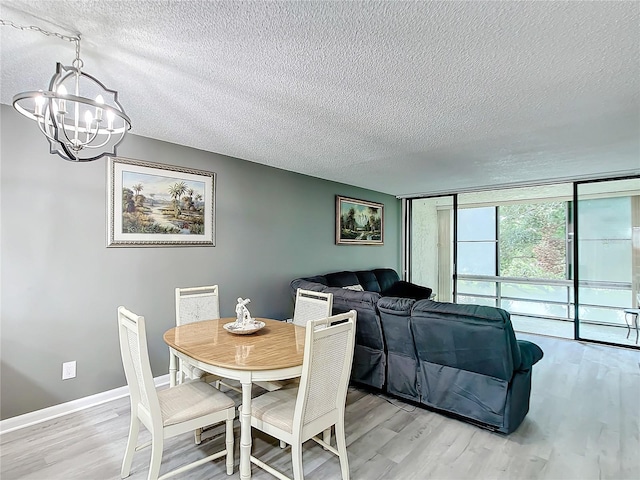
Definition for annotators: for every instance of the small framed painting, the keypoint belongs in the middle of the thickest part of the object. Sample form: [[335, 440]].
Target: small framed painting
[[156, 205], [359, 222]]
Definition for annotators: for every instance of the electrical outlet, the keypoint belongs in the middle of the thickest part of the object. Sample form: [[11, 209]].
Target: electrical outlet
[[68, 370]]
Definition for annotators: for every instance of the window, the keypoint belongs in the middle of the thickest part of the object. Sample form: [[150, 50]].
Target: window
[[533, 240], [477, 241]]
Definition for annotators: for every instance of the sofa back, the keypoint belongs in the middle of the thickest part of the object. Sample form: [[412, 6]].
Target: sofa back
[[473, 338], [368, 331], [375, 280], [467, 357], [369, 362], [402, 363]]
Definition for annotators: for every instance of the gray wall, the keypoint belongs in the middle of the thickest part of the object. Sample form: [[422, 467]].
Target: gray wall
[[61, 286]]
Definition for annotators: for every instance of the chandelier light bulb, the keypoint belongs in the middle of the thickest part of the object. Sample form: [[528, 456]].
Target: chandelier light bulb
[[99, 100], [88, 118], [110, 117], [39, 100], [62, 104]]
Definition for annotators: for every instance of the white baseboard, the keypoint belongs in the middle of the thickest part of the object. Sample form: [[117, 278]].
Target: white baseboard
[[49, 413]]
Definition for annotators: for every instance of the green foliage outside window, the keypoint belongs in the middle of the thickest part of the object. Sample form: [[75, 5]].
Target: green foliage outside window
[[533, 240]]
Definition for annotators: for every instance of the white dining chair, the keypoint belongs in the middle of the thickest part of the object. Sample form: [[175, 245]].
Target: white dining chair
[[195, 304], [311, 305], [170, 412], [296, 414]]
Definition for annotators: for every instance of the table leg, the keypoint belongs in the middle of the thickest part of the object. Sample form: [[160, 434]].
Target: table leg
[[245, 432], [172, 369]]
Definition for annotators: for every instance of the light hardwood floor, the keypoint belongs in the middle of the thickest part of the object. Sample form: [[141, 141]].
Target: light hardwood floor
[[584, 423]]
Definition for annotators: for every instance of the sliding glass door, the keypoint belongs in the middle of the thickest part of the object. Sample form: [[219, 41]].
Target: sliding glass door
[[608, 253], [563, 259]]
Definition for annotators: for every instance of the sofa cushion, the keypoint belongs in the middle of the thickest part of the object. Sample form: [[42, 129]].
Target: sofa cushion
[[386, 277], [317, 279], [368, 280], [404, 289], [341, 279]]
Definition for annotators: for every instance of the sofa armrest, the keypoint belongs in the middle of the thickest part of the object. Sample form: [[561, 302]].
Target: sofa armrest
[[530, 354], [305, 285], [404, 289], [353, 297]]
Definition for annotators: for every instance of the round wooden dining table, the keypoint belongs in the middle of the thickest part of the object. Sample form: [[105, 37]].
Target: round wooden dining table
[[274, 352]]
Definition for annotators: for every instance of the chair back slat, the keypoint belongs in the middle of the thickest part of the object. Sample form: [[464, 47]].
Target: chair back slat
[[311, 305], [196, 304], [135, 359], [326, 367]]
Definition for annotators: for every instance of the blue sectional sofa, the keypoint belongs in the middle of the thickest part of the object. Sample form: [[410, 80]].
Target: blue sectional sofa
[[459, 359]]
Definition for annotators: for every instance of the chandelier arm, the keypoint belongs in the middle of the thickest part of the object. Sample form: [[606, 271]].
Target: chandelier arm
[[41, 124], [63, 126], [102, 144], [91, 133]]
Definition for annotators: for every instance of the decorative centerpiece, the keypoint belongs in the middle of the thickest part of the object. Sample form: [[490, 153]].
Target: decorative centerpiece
[[244, 323], [243, 316]]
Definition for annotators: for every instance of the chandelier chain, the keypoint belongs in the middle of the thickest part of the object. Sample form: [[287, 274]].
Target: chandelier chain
[[78, 63]]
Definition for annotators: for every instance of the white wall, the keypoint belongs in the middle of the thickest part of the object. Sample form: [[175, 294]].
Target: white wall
[[425, 241], [60, 285]]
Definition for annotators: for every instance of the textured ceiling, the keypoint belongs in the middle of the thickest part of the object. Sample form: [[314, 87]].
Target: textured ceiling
[[398, 97]]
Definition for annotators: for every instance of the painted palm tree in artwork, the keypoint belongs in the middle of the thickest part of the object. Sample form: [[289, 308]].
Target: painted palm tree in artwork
[[138, 188], [189, 200], [176, 191]]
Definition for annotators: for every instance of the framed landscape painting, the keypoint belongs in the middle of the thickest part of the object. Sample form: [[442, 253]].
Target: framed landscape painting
[[359, 222], [152, 205]]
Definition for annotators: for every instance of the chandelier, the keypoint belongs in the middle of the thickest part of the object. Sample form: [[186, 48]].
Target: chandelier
[[82, 119]]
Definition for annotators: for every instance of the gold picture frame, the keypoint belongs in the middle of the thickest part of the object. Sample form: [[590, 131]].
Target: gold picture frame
[[359, 222]]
